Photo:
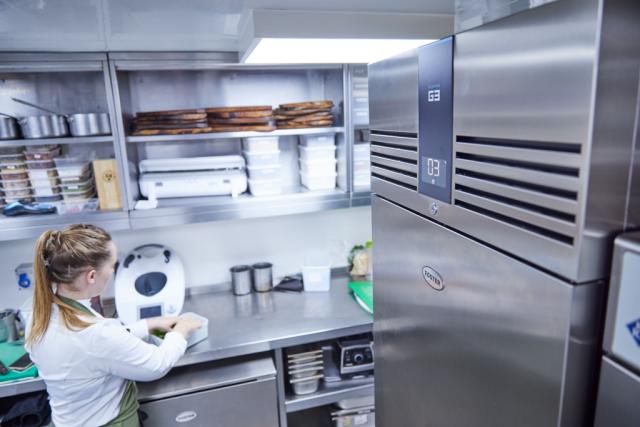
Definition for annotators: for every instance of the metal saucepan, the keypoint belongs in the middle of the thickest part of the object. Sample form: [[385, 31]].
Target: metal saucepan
[[51, 126], [8, 127], [89, 124]]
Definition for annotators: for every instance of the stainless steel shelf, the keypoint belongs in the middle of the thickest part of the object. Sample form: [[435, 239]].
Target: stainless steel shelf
[[227, 135], [28, 226], [361, 198], [53, 141], [15, 388], [203, 209], [330, 394]]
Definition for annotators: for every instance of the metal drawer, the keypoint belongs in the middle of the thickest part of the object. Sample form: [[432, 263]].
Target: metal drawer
[[249, 404]]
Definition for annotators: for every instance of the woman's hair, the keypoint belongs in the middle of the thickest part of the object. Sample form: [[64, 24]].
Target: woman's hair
[[60, 258]]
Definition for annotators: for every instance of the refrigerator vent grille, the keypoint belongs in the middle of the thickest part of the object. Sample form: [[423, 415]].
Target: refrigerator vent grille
[[394, 158], [528, 184]]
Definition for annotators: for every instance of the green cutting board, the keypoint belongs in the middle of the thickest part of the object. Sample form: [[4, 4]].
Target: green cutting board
[[9, 353], [364, 292]]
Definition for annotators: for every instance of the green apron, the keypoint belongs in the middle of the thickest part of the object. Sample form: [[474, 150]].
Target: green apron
[[128, 415]]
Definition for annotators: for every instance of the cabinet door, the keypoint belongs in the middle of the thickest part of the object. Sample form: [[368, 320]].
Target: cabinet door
[[248, 405]]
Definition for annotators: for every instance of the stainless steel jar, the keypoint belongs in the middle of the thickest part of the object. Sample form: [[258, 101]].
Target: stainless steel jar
[[241, 279], [89, 124], [48, 126], [262, 276]]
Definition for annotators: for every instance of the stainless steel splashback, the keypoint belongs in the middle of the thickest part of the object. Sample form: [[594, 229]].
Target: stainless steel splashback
[[545, 123]]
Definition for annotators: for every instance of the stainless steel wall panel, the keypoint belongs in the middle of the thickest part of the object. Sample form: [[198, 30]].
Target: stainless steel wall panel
[[489, 349], [407, 167], [395, 140], [568, 160], [393, 95], [394, 175], [394, 152]]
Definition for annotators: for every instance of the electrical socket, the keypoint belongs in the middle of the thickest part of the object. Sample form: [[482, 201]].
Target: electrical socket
[[24, 275]]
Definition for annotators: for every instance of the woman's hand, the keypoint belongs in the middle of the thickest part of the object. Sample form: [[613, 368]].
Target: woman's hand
[[186, 325], [164, 324]]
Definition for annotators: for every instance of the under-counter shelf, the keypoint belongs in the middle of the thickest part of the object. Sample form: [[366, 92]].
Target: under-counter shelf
[[27, 226], [189, 210], [328, 394], [56, 141], [228, 135]]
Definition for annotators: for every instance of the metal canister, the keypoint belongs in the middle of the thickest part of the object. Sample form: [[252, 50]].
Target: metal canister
[[8, 330], [8, 128], [262, 276], [241, 279]]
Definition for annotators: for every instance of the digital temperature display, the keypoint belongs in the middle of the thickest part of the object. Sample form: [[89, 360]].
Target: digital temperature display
[[434, 171]]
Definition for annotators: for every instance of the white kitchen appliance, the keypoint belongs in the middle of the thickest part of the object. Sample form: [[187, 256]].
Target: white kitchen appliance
[[192, 177], [149, 282]]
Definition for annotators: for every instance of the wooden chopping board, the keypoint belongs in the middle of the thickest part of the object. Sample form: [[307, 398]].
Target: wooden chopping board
[[324, 104], [241, 120], [242, 108], [150, 132], [240, 114], [241, 128], [171, 112], [298, 125], [306, 118], [294, 113]]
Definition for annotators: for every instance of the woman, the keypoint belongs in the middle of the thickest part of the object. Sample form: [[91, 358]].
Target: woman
[[88, 362]]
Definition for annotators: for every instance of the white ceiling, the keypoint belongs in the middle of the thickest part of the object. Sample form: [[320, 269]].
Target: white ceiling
[[195, 25]]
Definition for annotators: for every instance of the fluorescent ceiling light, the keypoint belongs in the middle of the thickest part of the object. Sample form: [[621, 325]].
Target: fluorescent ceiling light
[[323, 51]]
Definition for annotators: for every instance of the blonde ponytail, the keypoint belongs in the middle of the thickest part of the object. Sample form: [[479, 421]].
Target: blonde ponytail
[[60, 257]]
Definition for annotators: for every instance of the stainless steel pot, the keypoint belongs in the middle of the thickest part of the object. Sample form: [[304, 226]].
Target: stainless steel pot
[[89, 124], [49, 126], [8, 127]]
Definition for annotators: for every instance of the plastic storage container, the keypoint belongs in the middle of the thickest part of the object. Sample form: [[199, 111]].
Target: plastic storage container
[[16, 184], [260, 144], [315, 141], [321, 167], [263, 158], [12, 173], [319, 182], [40, 164], [45, 152], [361, 151], [269, 172], [316, 273], [11, 150], [71, 167], [264, 187], [312, 154], [72, 207]]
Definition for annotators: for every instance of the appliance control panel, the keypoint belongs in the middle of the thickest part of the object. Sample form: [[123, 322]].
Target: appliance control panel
[[356, 356], [435, 114]]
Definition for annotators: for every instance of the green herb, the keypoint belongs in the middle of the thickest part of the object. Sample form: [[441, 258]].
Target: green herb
[[159, 334]]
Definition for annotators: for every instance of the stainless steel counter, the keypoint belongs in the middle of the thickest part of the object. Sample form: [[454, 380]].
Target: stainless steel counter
[[260, 322]]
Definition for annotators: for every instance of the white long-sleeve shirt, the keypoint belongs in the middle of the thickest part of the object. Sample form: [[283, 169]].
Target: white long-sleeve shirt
[[86, 371]]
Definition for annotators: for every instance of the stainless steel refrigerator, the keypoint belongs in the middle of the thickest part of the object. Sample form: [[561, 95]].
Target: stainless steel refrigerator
[[502, 169]]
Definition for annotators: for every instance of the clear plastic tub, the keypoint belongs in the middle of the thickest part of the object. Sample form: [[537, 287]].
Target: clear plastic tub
[[46, 152], [321, 167], [11, 174], [16, 184], [320, 182], [73, 207], [10, 150], [78, 195], [40, 164], [77, 187], [16, 194], [316, 141], [266, 158], [316, 273], [48, 199], [11, 159], [264, 187], [45, 191], [42, 174], [71, 167], [264, 172], [260, 144], [313, 154]]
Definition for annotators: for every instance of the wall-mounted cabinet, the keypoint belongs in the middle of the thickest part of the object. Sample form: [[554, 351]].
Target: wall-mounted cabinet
[[126, 84], [38, 161]]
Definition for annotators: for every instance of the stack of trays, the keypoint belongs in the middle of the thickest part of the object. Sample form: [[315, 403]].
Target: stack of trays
[[362, 166], [42, 172], [14, 179], [257, 118], [170, 122], [304, 115], [305, 371], [318, 161], [263, 165], [77, 185]]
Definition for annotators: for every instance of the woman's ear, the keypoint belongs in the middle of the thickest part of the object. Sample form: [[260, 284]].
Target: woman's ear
[[91, 276]]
